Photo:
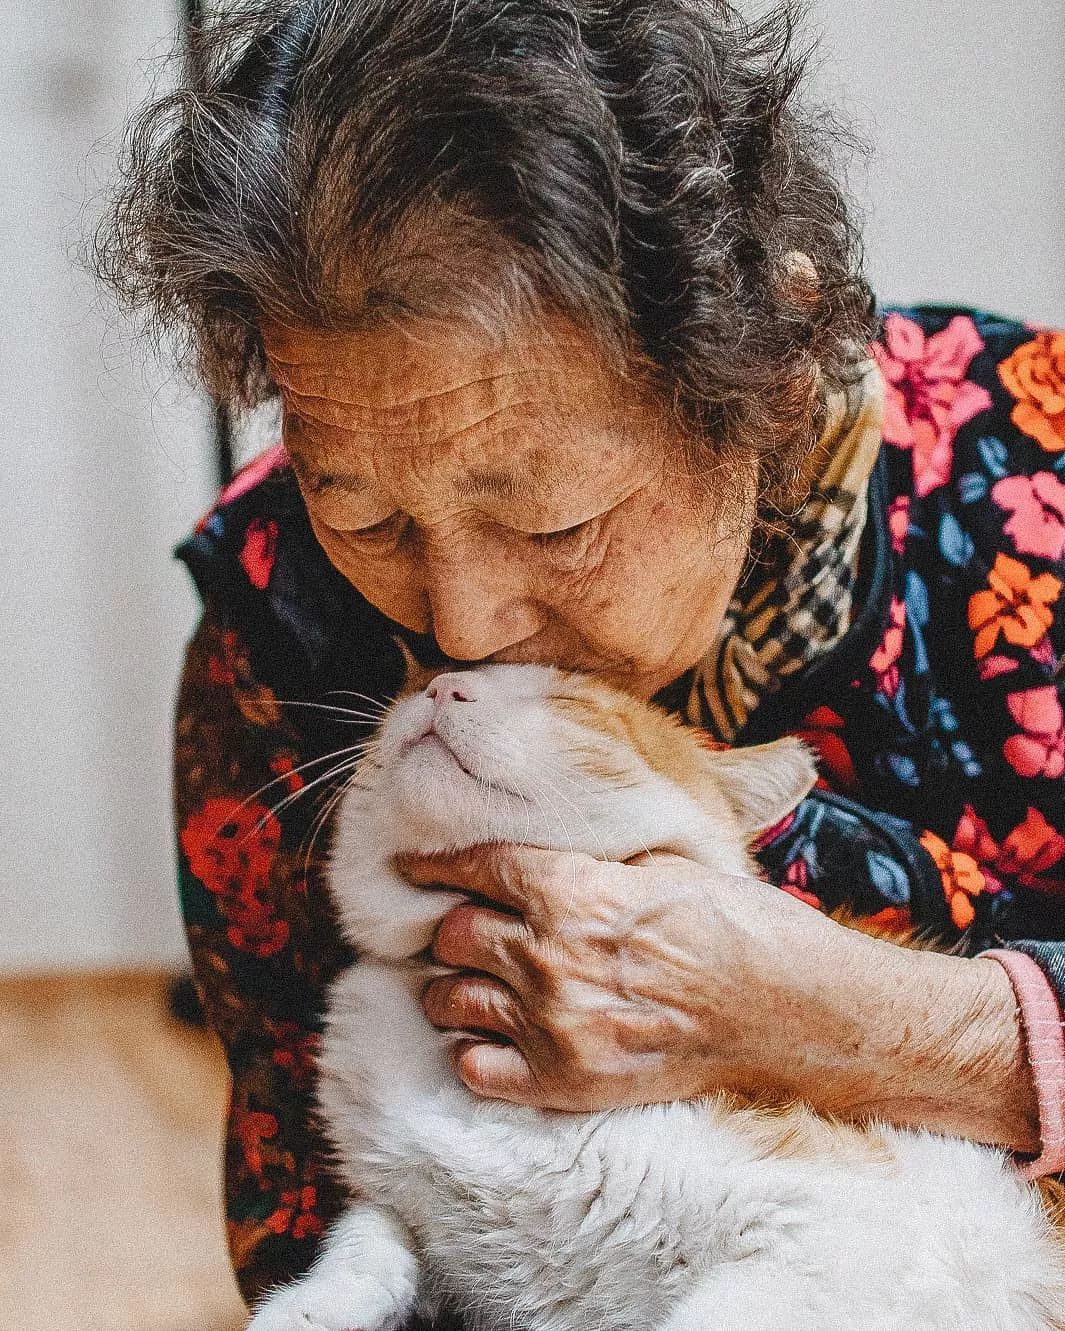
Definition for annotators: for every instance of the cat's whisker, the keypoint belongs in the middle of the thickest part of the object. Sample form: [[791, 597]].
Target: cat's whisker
[[372, 717], [330, 804], [380, 704], [275, 810], [292, 771]]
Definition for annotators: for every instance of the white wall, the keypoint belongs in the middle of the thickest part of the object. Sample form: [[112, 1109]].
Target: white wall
[[963, 102], [105, 461], [103, 466]]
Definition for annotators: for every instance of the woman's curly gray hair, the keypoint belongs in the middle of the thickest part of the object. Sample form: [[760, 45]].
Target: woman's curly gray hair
[[641, 167]]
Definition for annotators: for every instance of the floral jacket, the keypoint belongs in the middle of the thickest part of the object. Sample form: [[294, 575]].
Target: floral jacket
[[939, 720]]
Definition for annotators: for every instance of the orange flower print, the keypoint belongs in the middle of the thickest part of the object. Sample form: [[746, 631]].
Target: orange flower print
[[1016, 604], [1035, 375], [962, 878], [892, 919]]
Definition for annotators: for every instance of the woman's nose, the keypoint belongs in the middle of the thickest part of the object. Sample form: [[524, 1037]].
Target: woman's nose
[[475, 617]]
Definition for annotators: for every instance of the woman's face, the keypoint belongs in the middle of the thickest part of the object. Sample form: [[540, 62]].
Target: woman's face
[[519, 504]]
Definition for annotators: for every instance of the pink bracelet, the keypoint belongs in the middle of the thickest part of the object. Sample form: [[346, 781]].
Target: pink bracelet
[[1045, 1034]]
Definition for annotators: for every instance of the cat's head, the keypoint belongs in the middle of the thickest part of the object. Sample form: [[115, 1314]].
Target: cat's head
[[554, 758]]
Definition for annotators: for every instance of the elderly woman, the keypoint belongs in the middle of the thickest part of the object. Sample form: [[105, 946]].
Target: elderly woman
[[562, 309]]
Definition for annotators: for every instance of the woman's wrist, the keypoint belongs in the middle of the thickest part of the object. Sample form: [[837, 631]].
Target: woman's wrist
[[938, 1044]]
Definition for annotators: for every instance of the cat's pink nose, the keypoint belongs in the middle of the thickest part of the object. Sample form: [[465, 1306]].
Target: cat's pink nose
[[456, 686]]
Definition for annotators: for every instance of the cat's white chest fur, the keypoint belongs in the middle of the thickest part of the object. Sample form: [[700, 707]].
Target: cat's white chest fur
[[659, 1218]]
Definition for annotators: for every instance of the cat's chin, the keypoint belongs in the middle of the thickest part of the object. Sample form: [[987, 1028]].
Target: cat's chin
[[438, 801]]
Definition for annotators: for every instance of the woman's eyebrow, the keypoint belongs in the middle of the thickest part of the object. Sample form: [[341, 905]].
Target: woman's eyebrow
[[495, 483], [327, 476]]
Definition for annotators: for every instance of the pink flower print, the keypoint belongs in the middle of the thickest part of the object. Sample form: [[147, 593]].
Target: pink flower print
[[993, 666], [1037, 504], [899, 521], [253, 472], [259, 551], [796, 883], [928, 398], [884, 661], [1040, 749]]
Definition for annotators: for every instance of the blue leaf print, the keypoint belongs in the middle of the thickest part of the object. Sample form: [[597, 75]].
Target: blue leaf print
[[957, 545], [972, 487], [888, 877], [993, 454], [903, 768], [917, 612]]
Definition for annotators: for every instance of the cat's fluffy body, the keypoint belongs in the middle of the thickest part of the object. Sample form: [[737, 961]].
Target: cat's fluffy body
[[693, 1216]]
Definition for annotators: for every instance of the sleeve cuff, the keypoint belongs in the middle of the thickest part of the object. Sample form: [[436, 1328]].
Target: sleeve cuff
[[1045, 1035]]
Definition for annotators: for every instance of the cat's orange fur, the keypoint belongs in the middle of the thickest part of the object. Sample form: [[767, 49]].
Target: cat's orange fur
[[685, 756], [676, 752]]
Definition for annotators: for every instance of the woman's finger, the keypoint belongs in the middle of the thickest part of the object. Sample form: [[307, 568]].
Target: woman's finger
[[476, 938], [523, 878], [469, 1002], [497, 1071]]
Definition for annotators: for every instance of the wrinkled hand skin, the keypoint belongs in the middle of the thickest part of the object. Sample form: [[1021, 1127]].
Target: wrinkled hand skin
[[658, 980]]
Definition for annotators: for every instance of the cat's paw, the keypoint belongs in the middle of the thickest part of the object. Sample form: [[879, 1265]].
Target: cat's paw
[[334, 1302]]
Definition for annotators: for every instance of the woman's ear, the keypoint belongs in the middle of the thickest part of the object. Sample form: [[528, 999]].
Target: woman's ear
[[802, 282], [764, 782]]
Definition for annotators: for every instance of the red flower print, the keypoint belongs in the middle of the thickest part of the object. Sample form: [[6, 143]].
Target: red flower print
[[251, 1128], [259, 550], [1016, 604], [822, 730], [230, 846], [884, 661], [1040, 749], [973, 837], [296, 1214], [295, 1051], [899, 522], [1030, 849], [283, 765], [962, 877], [1037, 504], [928, 398]]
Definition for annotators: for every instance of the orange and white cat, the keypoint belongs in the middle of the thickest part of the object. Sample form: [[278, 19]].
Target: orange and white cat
[[691, 1216]]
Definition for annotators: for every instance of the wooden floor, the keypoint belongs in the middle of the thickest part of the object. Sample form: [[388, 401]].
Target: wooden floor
[[110, 1129]]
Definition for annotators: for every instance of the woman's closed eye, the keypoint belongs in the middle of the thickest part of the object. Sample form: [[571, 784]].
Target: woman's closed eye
[[567, 543], [560, 542]]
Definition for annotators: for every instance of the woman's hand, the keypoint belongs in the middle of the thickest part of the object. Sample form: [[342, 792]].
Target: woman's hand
[[658, 980]]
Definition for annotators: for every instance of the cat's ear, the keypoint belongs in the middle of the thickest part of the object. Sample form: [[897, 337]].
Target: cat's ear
[[416, 676], [764, 782]]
